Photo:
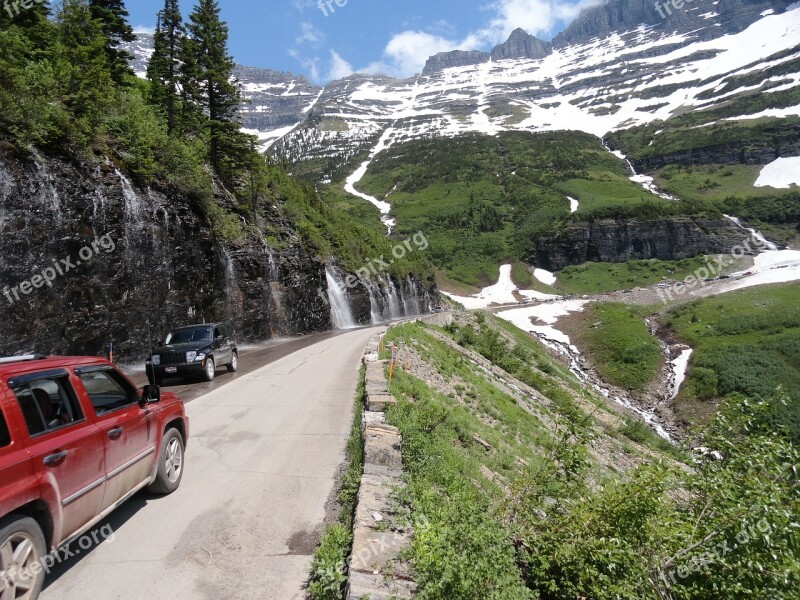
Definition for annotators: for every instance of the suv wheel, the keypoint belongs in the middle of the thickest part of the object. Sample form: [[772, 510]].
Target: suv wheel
[[234, 364], [170, 464], [211, 369], [22, 548]]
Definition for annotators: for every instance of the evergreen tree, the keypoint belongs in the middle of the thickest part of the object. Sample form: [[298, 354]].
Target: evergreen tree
[[164, 66], [208, 72], [113, 18], [81, 63]]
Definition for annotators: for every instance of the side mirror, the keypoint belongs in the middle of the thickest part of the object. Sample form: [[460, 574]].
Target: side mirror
[[219, 339], [151, 394]]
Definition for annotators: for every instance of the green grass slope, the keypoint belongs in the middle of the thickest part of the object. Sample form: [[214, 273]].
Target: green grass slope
[[521, 486], [483, 200], [746, 342]]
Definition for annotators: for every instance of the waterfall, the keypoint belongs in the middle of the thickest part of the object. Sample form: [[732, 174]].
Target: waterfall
[[341, 314], [273, 264], [375, 312], [413, 297], [395, 312], [756, 235], [133, 220], [55, 199]]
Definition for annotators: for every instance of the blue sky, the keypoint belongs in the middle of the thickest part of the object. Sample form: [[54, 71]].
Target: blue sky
[[393, 37]]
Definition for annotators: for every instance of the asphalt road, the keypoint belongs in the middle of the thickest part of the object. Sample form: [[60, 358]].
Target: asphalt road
[[260, 465], [250, 359]]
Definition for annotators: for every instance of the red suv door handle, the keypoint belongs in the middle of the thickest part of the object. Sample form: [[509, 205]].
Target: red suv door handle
[[115, 433], [55, 459]]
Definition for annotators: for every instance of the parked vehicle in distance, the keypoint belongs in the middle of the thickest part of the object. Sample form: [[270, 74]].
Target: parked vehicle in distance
[[193, 350], [437, 309], [77, 439]]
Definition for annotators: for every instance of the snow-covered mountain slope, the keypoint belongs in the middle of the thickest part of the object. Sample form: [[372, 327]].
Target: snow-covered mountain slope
[[628, 77], [619, 81], [276, 101]]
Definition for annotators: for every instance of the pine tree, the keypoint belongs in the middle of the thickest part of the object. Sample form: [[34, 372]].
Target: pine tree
[[113, 18], [82, 65], [210, 88], [163, 68]]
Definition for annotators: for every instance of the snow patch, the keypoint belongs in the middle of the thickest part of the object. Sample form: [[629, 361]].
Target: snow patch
[[545, 313], [780, 173], [573, 204], [544, 276], [501, 292]]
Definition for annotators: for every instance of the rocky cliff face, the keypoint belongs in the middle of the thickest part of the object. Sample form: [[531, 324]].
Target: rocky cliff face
[[456, 58], [88, 258], [777, 141], [619, 241], [729, 16], [521, 44]]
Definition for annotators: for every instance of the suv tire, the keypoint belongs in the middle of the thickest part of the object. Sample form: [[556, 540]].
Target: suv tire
[[23, 540], [233, 366], [169, 471], [210, 369]]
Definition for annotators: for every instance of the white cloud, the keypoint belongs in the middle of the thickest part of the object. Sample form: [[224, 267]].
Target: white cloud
[[309, 64], [144, 29], [537, 17], [309, 34], [339, 67], [406, 52], [302, 5]]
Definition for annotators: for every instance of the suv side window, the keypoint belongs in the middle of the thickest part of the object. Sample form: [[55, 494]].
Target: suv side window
[[217, 332], [5, 436], [47, 404], [106, 391]]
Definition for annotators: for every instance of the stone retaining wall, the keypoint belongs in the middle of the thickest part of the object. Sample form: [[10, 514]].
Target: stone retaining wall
[[376, 570]]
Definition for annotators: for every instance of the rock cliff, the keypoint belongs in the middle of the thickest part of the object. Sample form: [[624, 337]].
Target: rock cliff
[[455, 58], [620, 241], [728, 16], [521, 44], [87, 257]]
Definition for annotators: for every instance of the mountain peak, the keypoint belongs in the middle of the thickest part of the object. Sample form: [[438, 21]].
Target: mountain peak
[[521, 44], [455, 58]]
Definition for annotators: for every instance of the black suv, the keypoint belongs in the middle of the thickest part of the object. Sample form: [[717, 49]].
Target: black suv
[[194, 350]]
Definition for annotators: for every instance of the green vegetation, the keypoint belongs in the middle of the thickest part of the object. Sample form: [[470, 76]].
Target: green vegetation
[[508, 500], [746, 342], [595, 278], [64, 91], [619, 343], [483, 200], [328, 569], [709, 164]]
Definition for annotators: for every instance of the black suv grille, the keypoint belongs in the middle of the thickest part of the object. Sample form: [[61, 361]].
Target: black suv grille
[[173, 358]]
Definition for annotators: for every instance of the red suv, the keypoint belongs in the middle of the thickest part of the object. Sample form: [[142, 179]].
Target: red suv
[[77, 439]]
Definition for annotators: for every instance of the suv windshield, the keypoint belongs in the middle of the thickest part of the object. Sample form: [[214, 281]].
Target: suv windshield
[[187, 336]]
